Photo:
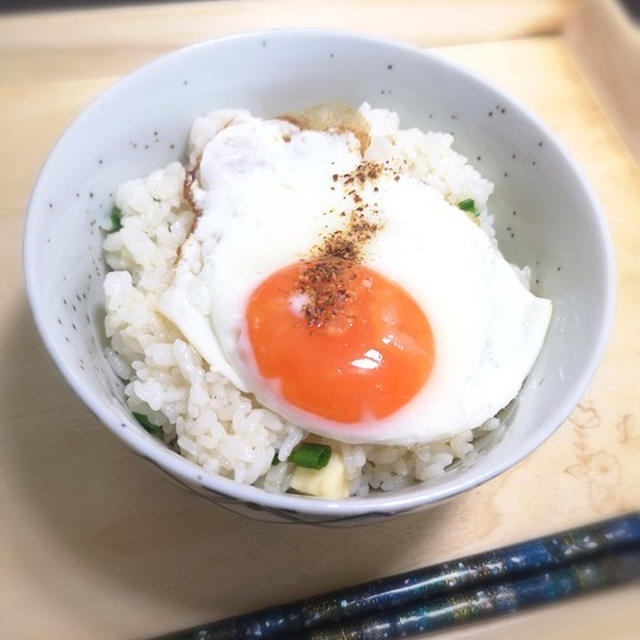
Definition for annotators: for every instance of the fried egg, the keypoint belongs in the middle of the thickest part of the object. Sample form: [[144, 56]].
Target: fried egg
[[428, 332]]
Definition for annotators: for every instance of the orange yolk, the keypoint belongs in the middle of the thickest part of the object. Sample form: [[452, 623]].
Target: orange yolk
[[368, 360]]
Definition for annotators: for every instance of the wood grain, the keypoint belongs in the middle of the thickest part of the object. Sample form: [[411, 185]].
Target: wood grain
[[93, 544], [606, 44], [87, 43]]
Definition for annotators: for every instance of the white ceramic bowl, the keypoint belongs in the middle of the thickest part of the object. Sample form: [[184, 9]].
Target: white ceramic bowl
[[546, 217]]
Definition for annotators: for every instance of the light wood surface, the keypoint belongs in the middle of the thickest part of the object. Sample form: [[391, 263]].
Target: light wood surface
[[93, 544], [68, 44], [606, 43]]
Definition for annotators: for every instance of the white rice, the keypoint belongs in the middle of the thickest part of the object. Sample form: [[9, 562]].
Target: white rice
[[203, 416]]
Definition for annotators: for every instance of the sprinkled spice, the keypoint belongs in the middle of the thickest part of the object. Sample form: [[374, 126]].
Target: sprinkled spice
[[325, 279], [187, 193]]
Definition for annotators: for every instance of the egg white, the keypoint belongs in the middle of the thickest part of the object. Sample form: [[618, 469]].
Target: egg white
[[266, 198]]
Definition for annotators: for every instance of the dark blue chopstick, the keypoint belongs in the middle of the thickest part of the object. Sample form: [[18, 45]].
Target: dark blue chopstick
[[534, 559], [494, 600]]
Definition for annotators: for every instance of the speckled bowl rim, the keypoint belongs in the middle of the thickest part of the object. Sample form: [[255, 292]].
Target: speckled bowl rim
[[380, 503]]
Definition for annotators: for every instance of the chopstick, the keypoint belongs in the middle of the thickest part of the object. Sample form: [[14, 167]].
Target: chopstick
[[492, 601], [604, 553]]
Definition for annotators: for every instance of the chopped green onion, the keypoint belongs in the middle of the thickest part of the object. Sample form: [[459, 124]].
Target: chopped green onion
[[469, 206], [311, 455], [308, 454], [116, 219], [153, 429]]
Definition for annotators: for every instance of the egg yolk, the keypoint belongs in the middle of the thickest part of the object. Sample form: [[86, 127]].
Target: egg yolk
[[368, 359]]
